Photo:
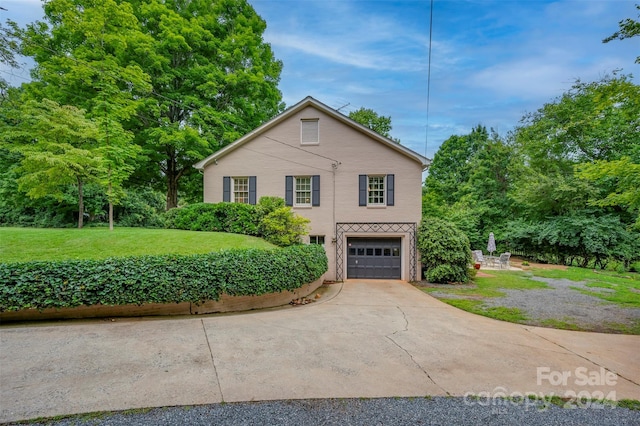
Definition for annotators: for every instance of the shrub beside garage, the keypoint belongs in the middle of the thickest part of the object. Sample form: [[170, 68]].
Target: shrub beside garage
[[445, 251], [158, 279]]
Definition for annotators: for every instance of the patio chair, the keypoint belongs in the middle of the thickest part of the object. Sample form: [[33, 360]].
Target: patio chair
[[504, 260], [478, 257]]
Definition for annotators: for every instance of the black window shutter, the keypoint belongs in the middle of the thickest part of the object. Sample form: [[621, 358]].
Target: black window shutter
[[315, 188], [288, 190], [226, 189], [252, 190], [390, 190], [362, 186]]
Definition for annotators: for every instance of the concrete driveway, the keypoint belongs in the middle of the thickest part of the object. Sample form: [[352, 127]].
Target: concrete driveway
[[363, 339]]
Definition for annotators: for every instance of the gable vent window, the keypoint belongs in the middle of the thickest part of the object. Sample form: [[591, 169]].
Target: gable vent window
[[309, 132]]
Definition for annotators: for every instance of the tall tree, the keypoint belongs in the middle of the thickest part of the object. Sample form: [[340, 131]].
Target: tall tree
[[84, 58], [469, 184], [58, 147], [622, 177], [578, 161], [8, 48], [451, 166], [592, 122], [214, 79], [378, 123], [628, 28]]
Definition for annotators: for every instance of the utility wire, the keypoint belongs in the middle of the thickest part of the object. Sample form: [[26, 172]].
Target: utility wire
[[298, 148], [80, 97], [152, 92], [426, 139], [286, 159]]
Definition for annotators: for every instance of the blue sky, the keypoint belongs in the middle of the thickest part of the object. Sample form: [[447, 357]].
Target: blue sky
[[492, 61]]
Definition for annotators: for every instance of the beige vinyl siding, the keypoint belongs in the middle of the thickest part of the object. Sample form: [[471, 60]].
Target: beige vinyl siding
[[356, 154]]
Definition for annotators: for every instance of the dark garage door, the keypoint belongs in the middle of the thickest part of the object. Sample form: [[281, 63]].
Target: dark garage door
[[373, 258]]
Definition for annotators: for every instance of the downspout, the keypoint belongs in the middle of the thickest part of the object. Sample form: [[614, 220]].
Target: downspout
[[334, 167]]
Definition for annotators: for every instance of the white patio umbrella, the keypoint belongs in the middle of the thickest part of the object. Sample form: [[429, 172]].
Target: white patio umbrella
[[491, 246]]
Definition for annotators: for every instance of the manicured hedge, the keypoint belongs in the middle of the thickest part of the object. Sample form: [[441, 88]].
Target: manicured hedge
[[158, 279], [270, 219], [237, 218]]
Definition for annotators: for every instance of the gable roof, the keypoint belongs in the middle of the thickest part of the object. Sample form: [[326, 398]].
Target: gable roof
[[309, 101]]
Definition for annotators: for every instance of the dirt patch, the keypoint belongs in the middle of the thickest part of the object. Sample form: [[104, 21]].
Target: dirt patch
[[562, 304], [443, 286], [517, 262]]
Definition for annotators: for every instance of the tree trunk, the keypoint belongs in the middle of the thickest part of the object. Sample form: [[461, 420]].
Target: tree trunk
[[173, 174], [80, 205], [110, 216], [172, 192], [110, 202]]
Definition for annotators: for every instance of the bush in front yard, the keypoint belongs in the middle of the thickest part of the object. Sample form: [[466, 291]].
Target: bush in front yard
[[158, 279], [269, 219], [444, 251], [283, 228], [237, 218]]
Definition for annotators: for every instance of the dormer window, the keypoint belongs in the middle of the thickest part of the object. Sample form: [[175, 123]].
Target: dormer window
[[309, 131]]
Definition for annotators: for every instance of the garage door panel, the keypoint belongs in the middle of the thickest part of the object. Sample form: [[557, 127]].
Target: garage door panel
[[374, 258]]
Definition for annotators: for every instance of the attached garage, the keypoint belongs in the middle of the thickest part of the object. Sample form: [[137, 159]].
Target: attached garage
[[374, 258]]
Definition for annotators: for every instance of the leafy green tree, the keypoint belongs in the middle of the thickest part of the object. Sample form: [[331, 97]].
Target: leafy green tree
[[624, 193], [451, 168], [628, 28], [214, 79], [85, 59], [585, 237], [575, 185], [185, 77], [58, 146], [378, 123], [8, 48], [592, 122], [469, 182]]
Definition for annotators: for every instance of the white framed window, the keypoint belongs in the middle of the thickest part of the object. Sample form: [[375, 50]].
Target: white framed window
[[309, 131], [240, 190], [376, 191], [302, 191], [316, 239]]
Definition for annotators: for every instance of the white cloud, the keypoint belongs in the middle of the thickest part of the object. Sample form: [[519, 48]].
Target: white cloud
[[344, 33]]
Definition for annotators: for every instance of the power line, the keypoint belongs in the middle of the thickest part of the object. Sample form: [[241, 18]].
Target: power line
[[152, 92], [426, 140], [286, 159], [142, 116], [298, 148], [117, 77]]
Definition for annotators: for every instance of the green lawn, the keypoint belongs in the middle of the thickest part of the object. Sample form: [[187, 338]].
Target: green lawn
[[626, 286], [25, 244], [623, 290], [491, 286]]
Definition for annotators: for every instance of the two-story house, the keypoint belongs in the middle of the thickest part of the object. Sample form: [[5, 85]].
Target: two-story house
[[361, 191]]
